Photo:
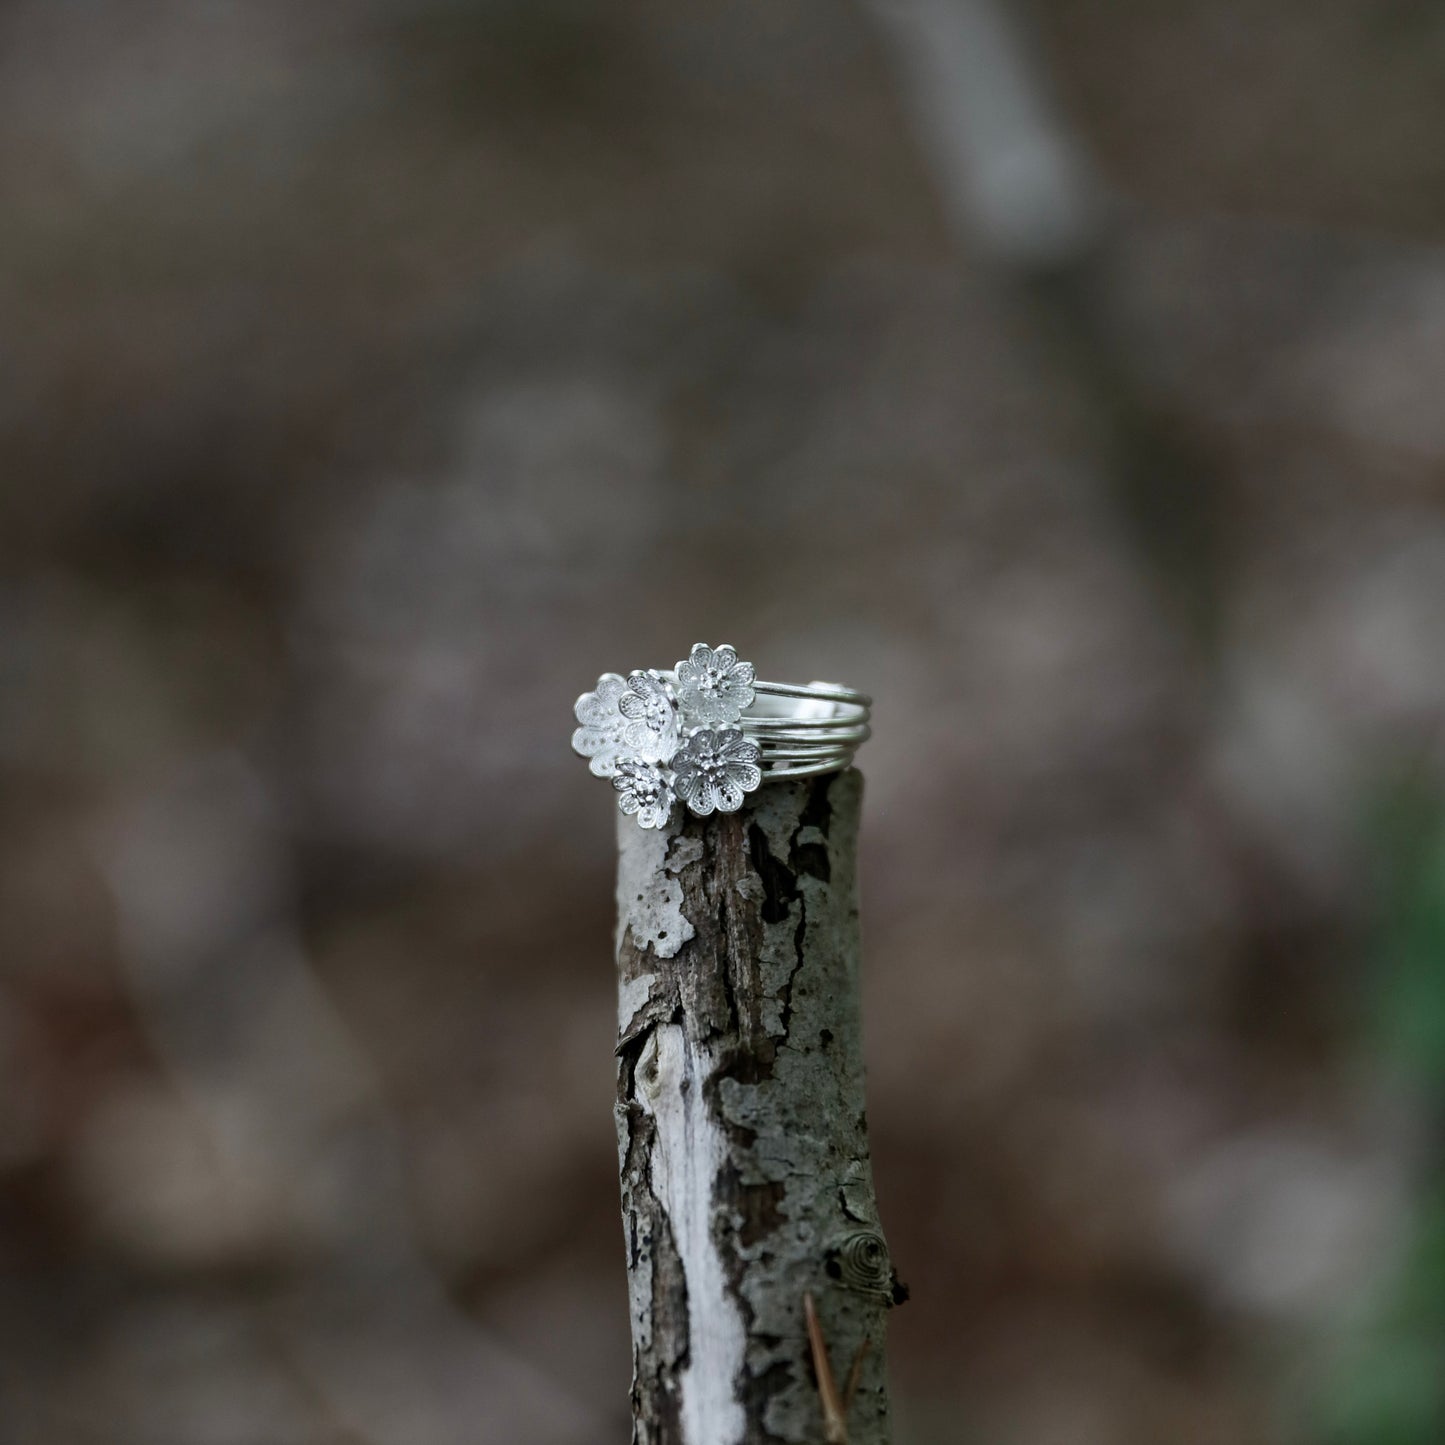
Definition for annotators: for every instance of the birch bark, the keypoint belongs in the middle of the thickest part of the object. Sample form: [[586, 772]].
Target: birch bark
[[742, 1138]]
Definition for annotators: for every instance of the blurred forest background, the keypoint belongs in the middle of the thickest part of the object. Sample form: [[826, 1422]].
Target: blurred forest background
[[377, 373]]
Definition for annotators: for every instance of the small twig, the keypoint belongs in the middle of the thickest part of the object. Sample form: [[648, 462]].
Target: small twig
[[855, 1374], [835, 1415]]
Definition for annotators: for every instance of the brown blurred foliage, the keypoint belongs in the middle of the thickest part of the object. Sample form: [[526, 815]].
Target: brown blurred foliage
[[375, 374]]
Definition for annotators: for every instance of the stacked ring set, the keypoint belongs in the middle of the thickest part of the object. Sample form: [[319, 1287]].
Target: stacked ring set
[[707, 732]]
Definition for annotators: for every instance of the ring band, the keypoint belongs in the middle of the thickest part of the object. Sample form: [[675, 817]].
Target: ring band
[[707, 732]]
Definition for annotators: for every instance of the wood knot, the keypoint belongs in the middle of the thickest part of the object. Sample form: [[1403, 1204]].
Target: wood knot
[[649, 1068], [860, 1261]]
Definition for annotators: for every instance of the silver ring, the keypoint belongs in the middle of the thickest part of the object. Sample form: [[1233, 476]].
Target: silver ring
[[707, 732]]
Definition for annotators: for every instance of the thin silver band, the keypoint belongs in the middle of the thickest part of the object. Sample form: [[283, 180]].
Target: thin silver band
[[807, 770], [803, 729], [816, 692], [837, 737]]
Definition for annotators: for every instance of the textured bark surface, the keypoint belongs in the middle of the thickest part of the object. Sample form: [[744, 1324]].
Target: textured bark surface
[[742, 1138]]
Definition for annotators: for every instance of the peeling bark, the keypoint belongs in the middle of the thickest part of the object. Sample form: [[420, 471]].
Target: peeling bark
[[742, 1140]]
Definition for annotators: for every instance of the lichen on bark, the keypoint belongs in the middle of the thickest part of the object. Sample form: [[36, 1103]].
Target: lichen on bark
[[742, 1137]]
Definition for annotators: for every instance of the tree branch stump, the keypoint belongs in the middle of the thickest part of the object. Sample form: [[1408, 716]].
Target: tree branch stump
[[742, 1138]]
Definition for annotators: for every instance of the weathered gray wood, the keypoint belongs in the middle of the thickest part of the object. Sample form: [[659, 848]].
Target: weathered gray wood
[[742, 1139]]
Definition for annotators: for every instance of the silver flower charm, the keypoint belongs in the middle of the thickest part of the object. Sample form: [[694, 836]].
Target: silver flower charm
[[714, 768], [650, 732], [642, 788], [677, 737], [713, 686], [600, 737]]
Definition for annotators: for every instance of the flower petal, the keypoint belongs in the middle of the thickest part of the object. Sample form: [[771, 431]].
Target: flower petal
[[729, 797], [650, 746], [734, 745], [592, 712], [747, 776], [701, 797], [725, 658], [746, 674], [655, 815], [589, 741], [595, 708], [632, 706], [740, 695]]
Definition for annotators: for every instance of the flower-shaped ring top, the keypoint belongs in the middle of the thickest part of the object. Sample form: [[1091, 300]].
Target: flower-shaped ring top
[[713, 686], [714, 769], [708, 733]]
